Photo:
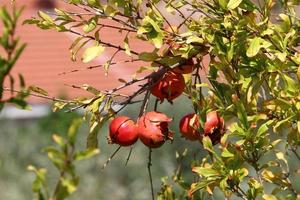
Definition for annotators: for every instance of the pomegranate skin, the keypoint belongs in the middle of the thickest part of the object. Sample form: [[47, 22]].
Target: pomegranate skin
[[189, 126], [186, 68], [214, 126], [123, 131], [169, 87], [153, 129]]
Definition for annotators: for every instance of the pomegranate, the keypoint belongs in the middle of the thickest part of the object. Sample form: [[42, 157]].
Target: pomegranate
[[186, 68], [123, 131], [170, 86], [189, 126], [153, 129], [214, 126]]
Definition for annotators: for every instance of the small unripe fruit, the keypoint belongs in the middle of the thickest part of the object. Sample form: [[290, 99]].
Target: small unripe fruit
[[189, 126], [170, 86], [153, 129], [123, 131], [214, 126]]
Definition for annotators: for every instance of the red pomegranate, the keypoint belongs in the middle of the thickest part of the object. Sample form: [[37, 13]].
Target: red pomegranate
[[214, 126], [185, 68], [153, 129], [123, 131], [189, 126], [170, 86]]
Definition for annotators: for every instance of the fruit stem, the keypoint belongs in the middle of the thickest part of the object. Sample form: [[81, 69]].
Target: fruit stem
[[111, 157], [128, 157], [145, 103], [149, 172], [156, 104]]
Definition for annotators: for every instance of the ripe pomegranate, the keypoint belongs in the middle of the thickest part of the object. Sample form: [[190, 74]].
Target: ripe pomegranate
[[123, 131], [153, 129], [214, 126], [189, 126], [186, 68], [170, 86]]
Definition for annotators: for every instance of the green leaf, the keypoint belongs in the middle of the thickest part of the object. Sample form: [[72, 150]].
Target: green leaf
[[94, 3], [232, 4], [40, 178], [73, 129], [38, 90], [46, 17], [126, 46], [207, 144], [91, 89], [92, 139], [269, 197], [59, 140], [146, 56], [86, 154], [263, 128], [91, 25], [206, 172], [254, 47], [70, 184], [227, 154], [92, 52]]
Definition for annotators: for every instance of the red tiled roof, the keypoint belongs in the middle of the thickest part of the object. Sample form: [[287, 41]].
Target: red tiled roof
[[47, 55]]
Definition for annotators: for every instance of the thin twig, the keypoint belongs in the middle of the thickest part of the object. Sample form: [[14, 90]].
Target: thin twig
[[98, 66], [102, 42], [40, 96], [129, 155], [111, 157], [294, 150], [150, 174]]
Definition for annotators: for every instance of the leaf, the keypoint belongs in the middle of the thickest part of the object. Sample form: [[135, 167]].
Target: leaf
[[73, 129], [70, 185], [227, 154], [269, 197], [263, 128], [40, 178], [90, 89], [199, 186], [46, 17], [146, 56], [207, 144], [206, 172], [126, 46], [280, 156], [254, 47], [92, 52], [38, 90], [232, 4], [58, 139], [86, 154], [58, 106], [91, 25], [92, 139]]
